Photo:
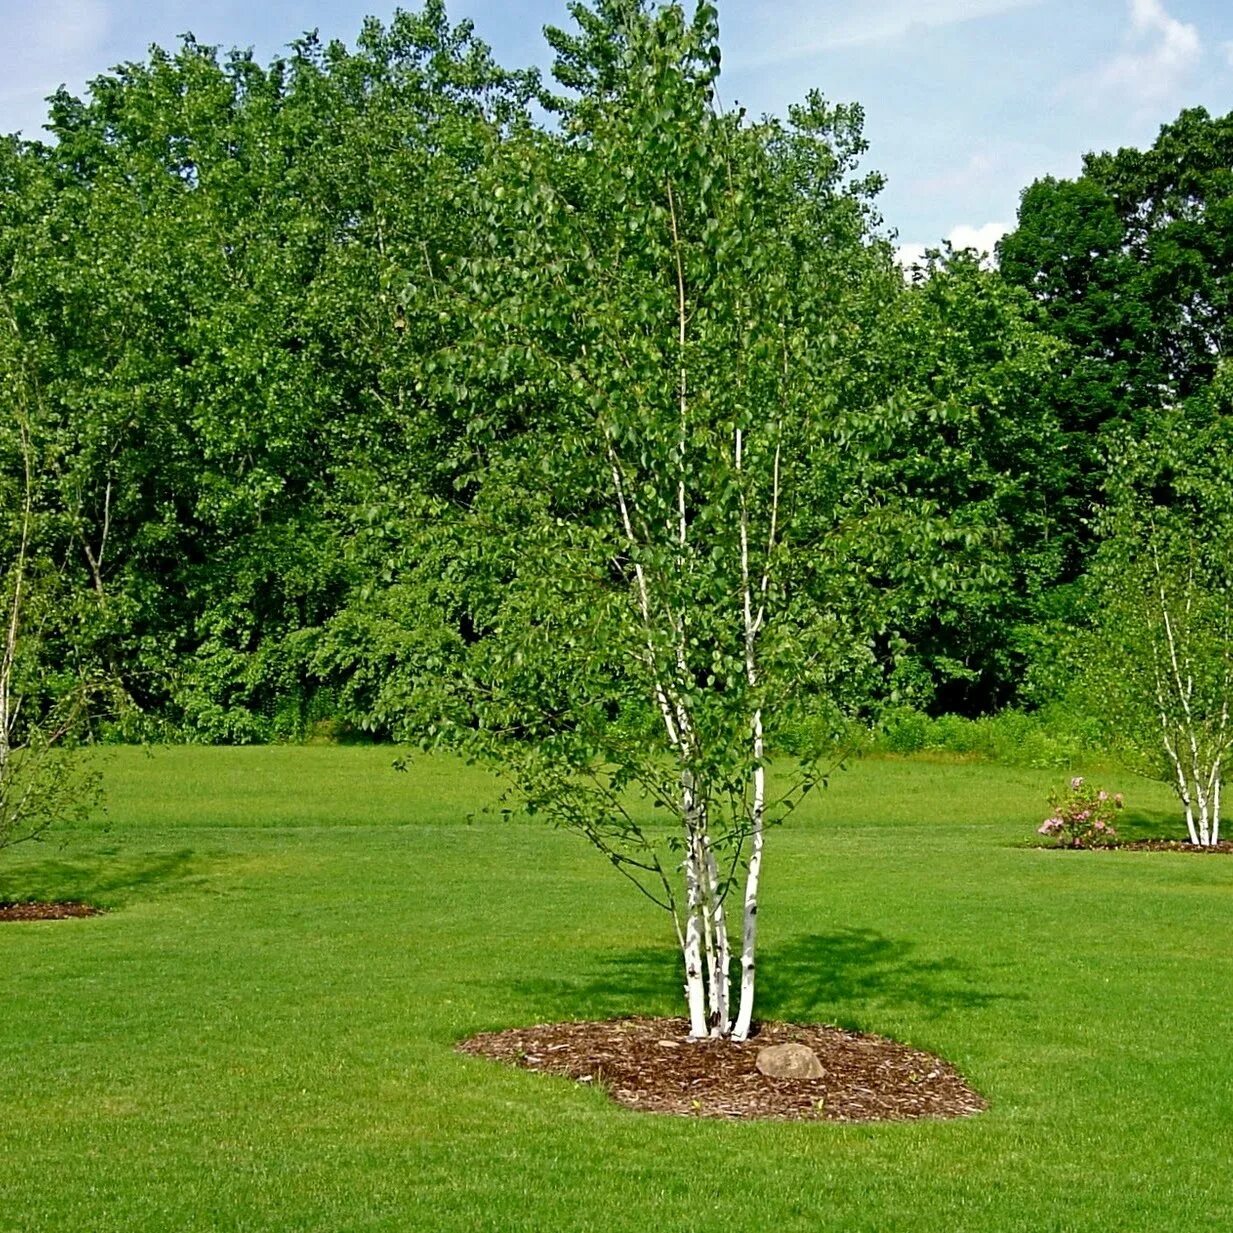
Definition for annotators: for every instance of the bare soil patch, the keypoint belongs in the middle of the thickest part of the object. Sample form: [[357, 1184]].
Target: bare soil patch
[[47, 911], [652, 1065]]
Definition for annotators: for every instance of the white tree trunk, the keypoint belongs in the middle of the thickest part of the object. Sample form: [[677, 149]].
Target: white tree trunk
[[1216, 773], [749, 936], [1183, 788], [753, 625], [695, 983], [720, 955]]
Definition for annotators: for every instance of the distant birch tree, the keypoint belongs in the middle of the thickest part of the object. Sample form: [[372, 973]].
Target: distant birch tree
[[1164, 570], [662, 550]]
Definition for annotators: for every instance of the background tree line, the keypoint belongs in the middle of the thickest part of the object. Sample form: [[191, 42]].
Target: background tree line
[[264, 415]]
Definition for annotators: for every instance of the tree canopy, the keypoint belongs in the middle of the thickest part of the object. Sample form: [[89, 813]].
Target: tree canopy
[[242, 292]]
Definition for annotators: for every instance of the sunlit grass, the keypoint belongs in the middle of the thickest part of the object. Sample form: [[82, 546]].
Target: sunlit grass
[[258, 1035]]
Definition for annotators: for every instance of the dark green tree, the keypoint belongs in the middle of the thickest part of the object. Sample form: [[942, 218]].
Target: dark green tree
[[200, 265], [980, 439], [1132, 265]]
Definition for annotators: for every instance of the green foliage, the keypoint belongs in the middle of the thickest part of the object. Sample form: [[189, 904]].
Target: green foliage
[[1053, 736], [42, 697], [1160, 648], [983, 444], [254, 299], [45, 785], [1132, 264], [200, 267]]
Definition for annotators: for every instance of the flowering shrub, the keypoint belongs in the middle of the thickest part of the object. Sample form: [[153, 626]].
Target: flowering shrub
[[1082, 816]]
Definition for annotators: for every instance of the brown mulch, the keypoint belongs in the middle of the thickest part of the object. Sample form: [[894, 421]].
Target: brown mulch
[[46, 911], [1173, 845], [652, 1065], [1224, 847]]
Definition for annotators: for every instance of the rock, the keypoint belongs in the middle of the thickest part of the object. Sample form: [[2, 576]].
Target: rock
[[789, 1062]]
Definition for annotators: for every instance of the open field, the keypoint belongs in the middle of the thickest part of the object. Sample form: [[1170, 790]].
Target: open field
[[259, 1035]]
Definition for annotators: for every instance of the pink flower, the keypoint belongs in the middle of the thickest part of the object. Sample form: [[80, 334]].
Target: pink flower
[[1076, 782], [1102, 796], [1098, 825]]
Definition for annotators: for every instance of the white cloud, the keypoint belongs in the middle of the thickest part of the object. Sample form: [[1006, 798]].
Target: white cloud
[[1160, 52], [981, 238], [964, 235], [806, 27], [908, 255]]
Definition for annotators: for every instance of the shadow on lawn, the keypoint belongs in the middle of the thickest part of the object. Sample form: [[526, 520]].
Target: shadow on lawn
[[836, 974], [813, 978], [1151, 824], [105, 880]]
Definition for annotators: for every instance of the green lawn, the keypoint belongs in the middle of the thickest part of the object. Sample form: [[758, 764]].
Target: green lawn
[[258, 1036]]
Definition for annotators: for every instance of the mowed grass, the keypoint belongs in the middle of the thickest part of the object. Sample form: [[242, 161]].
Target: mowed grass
[[259, 1035]]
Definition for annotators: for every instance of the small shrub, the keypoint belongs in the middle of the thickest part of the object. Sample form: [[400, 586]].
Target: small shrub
[[1081, 816], [905, 732]]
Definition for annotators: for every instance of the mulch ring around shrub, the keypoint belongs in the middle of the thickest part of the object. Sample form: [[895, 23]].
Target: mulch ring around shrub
[[652, 1065], [1173, 845], [47, 911], [1223, 848]]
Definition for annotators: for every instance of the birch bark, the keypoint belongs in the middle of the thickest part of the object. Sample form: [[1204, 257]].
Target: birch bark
[[753, 624]]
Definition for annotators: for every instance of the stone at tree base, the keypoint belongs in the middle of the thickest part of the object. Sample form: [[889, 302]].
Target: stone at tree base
[[790, 1061]]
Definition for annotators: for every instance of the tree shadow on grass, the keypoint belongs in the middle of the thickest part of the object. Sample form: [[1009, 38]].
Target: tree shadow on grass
[[831, 977], [105, 880], [1131, 825], [834, 975], [1151, 824]]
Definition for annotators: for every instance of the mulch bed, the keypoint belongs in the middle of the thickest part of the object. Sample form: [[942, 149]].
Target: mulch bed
[[46, 911], [652, 1065], [1174, 845], [1224, 847]]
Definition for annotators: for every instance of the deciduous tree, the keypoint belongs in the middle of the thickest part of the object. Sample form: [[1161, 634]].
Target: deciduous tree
[[1160, 666], [666, 543]]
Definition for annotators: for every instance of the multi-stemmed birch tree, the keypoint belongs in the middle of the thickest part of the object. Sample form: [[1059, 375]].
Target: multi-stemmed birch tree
[[1163, 664], [661, 545]]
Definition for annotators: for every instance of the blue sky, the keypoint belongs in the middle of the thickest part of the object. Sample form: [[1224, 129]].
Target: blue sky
[[967, 101]]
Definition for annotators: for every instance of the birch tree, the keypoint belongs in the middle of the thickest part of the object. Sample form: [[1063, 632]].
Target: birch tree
[[1165, 583], [662, 546]]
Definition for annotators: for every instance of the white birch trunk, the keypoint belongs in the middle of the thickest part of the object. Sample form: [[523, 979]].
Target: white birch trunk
[[1216, 807], [753, 625], [708, 922], [720, 956], [749, 936], [1183, 788], [1205, 833], [695, 981]]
